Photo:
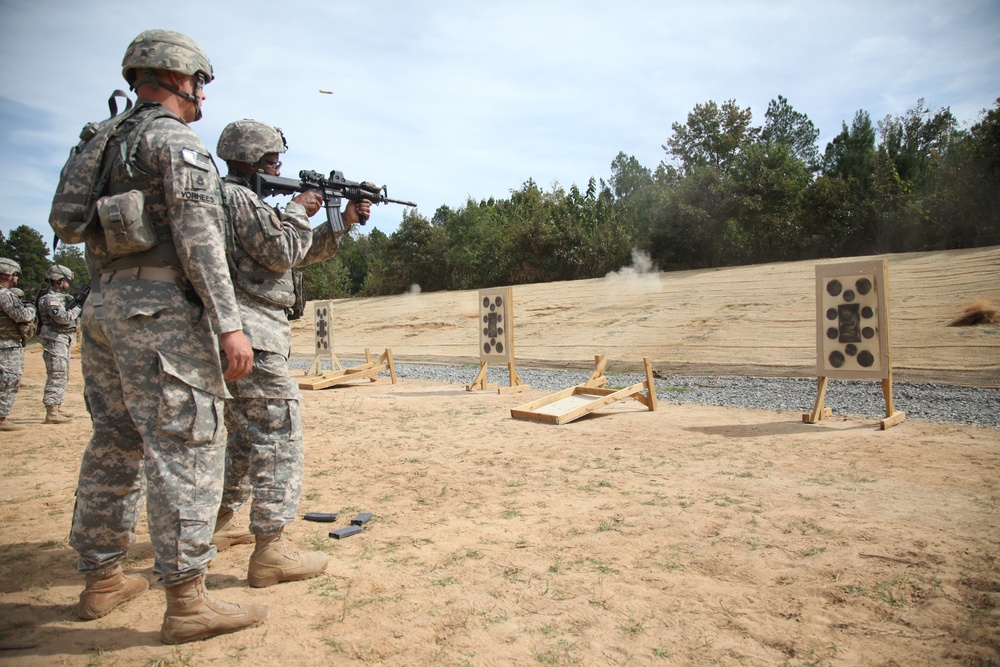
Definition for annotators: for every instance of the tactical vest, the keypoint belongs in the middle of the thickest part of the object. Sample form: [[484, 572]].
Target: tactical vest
[[9, 329], [273, 288], [45, 318]]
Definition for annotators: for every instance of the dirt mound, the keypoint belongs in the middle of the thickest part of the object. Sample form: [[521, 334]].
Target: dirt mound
[[749, 320]]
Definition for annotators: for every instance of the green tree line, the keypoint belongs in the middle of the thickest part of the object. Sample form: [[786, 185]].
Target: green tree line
[[727, 192]]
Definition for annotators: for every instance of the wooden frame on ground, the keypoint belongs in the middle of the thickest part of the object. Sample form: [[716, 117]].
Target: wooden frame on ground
[[575, 402], [369, 369]]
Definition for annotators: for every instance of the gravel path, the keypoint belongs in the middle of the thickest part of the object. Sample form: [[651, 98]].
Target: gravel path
[[927, 402]]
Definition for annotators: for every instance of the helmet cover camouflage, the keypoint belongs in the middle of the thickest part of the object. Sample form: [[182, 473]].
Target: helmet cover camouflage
[[249, 140], [9, 267], [166, 50], [58, 272]]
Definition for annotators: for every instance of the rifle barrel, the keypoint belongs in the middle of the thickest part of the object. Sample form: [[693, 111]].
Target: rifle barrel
[[399, 201]]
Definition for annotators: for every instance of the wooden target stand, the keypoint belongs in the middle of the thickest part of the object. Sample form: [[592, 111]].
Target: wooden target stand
[[496, 339], [317, 378], [569, 404], [852, 332]]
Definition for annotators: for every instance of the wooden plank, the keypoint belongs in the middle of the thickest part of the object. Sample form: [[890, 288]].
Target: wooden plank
[[480, 384], [892, 420], [597, 377], [515, 380], [534, 416], [890, 407], [826, 414], [649, 398], [818, 412], [392, 366]]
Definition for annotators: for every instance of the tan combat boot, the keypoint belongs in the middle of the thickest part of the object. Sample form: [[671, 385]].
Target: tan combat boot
[[64, 413], [192, 615], [228, 532], [106, 590], [8, 426], [52, 415], [273, 561]]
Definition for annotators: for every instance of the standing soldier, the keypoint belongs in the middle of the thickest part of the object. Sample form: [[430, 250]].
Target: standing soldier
[[28, 328], [263, 417], [59, 314], [152, 373], [13, 314]]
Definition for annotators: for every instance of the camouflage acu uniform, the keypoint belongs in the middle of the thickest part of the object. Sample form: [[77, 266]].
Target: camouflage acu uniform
[[12, 313], [58, 327], [153, 378], [264, 450]]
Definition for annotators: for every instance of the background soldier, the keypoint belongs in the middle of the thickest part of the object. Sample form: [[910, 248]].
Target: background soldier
[[263, 417], [152, 373], [13, 314], [59, 314], [28, 328]]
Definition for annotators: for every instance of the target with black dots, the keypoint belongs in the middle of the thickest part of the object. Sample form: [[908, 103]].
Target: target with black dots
[[496, 324], [852, 320], [324, 330]]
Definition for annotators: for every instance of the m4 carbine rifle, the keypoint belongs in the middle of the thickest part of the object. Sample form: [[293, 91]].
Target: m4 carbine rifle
[[80, 298], [332, 188]]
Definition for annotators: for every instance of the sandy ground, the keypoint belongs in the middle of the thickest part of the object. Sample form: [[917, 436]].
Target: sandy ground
[[686, 536]]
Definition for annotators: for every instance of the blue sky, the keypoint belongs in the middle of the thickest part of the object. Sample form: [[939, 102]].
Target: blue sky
[[453, 99]]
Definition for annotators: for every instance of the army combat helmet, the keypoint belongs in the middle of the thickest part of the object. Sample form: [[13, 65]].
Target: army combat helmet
[[58, 272], [9, 267], [249, 140], [166, 50]]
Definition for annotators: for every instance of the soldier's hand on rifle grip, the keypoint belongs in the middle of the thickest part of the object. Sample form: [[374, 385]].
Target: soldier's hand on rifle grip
[[312, 201], [357, 212]]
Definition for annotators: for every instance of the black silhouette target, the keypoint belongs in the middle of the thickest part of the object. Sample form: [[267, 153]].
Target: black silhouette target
[[851, 315], [495, 324]]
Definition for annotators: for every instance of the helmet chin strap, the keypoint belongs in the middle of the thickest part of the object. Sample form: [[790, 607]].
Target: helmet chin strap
[[199, 82]]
